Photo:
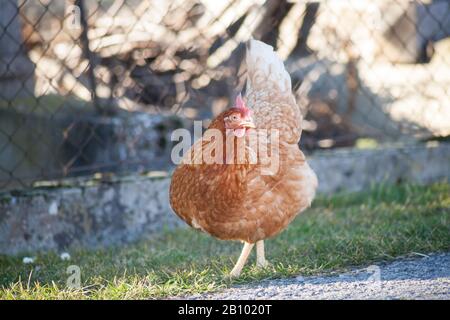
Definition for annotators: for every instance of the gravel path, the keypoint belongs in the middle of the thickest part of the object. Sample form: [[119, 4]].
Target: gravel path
[[420, 278]]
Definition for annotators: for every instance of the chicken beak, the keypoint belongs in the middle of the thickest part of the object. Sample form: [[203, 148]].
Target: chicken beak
[[247, 124]]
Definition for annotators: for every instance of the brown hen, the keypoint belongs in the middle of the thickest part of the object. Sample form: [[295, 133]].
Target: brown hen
[[247, 179]]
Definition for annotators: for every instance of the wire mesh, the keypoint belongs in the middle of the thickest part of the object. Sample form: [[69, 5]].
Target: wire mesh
[[90, 86]]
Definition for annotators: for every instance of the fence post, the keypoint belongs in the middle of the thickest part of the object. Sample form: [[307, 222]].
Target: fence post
[[88, 55]]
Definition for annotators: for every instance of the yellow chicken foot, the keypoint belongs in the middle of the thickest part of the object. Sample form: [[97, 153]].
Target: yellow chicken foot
[[261, 261], [236, 272]]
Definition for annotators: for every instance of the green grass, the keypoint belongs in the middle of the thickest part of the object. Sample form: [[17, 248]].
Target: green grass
[[336, 233]]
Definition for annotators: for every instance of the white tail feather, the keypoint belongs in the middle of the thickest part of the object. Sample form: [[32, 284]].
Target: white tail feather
[[263, 66]]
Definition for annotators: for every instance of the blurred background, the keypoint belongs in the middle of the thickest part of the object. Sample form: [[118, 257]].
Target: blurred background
[[91, 87]]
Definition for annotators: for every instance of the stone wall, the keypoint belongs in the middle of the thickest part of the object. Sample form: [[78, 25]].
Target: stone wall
[[87, 213], [96, 213], [355, 170]]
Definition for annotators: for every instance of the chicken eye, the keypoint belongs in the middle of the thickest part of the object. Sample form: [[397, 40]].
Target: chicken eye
[[234, 117]]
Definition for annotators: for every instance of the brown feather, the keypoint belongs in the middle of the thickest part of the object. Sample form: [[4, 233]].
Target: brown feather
[[235, 201]]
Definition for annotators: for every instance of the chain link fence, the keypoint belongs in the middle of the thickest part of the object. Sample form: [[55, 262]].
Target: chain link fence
[[92, 87]]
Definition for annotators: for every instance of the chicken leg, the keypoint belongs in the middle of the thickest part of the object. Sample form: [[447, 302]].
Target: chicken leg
[[260, 258], [236, 272]]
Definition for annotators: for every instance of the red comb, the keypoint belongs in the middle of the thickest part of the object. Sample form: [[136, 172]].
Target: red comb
[[240, 104]]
